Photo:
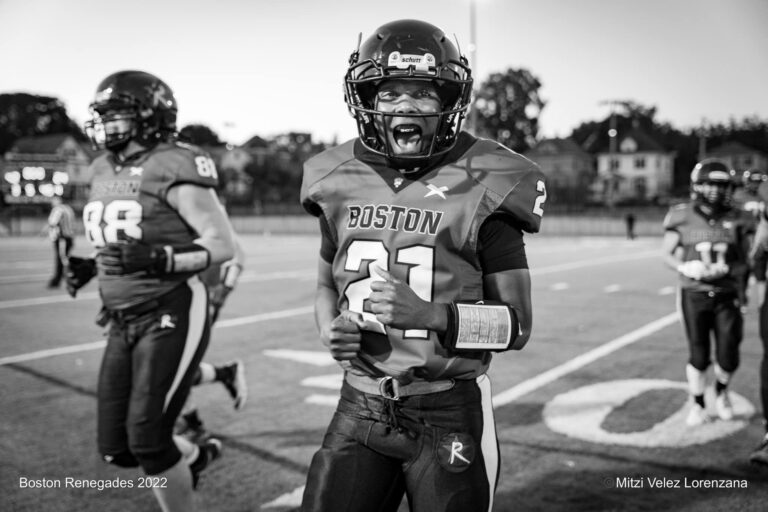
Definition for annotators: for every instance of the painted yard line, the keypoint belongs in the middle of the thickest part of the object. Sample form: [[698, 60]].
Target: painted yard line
[[246, 277], [593, 262], [24, 278], [582, 360], [96, 345], [305, 273]]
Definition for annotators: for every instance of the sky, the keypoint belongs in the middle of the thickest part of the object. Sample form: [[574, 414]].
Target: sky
[[253, 67]]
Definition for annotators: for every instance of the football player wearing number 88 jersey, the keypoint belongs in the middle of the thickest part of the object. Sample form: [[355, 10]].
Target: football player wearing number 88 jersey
[[707, 241], [422, 276], [155, 222]]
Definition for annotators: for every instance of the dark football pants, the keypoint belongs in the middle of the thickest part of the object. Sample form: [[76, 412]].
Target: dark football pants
[[439, 449], [705, 313], [146, 374]]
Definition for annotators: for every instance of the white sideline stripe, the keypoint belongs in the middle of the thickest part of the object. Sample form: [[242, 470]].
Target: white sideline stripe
[[582, 360], [592, 262], [96, 345], [41, 354], [302, 274]]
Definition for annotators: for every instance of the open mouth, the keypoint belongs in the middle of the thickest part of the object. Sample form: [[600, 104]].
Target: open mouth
[[407, 137]]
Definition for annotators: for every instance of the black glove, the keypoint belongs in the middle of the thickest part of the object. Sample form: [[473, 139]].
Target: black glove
[[78, 272], [122, 258]]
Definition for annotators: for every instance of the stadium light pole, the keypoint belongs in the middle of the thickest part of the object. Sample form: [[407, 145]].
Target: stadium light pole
[[473, 63]]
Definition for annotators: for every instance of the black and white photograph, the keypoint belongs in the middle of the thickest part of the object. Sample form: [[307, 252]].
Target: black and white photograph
[[383, 256]]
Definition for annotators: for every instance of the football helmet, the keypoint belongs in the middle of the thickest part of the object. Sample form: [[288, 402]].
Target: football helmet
[[408, 50], [752, 178], [131, 105], [713, 182]]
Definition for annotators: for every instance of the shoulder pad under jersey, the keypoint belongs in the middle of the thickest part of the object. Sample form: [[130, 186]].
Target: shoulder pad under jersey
[[676, 216], [185, 163], [517, 183], [318, 167]]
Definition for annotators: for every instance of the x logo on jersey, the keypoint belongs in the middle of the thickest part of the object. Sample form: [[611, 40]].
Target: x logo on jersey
[[436, 191]]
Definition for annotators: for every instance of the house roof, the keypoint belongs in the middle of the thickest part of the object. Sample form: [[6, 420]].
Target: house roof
[[645, 142], [732, 148], [547, 147]]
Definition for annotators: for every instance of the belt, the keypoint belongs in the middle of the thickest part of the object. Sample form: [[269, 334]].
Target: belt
[[390, 388], [133, 311]]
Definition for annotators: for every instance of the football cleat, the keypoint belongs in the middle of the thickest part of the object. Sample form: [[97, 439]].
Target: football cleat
[[760, 456], [210, 450], [190, 426], [697, 416], [232, 375], [723, 406]]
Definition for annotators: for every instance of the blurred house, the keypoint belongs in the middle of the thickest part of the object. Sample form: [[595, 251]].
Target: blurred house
[[569, 169], [638, 170], [37, 168], [740, 156]]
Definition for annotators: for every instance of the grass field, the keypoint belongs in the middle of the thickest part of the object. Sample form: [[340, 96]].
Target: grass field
[[604, 316]]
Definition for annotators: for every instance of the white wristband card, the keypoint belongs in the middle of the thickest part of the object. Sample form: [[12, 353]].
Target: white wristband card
[[483, 327]]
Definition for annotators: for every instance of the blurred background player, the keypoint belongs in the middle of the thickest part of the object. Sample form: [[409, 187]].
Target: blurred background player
[[760, 262], [422, 234], [747, 198], [220, 280], [707, 242], [155, 221], [61, 222]]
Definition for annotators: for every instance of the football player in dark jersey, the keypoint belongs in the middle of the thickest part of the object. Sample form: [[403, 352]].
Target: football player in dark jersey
[[155, 222], [422, 276], [760, 262], [707, 242]]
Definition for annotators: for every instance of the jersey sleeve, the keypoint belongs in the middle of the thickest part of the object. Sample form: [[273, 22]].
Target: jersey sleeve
[[516, 184], [186, 164], [675, 217]]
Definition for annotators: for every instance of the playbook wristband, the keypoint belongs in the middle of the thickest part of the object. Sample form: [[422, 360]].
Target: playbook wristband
[[483, 325], [186, 258]]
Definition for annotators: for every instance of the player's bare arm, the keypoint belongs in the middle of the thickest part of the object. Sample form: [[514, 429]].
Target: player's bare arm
[[200, 208]]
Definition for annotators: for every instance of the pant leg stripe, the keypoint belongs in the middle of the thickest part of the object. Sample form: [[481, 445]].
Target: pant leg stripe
[[489, 444], [197, 315]]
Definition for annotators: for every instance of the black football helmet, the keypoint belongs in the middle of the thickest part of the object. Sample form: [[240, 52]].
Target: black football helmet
[[410, 50], [752, 178], [131, 105], [713, 182]]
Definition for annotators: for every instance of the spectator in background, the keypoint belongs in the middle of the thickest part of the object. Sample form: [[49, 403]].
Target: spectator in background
[[630, 220], [60, 231]]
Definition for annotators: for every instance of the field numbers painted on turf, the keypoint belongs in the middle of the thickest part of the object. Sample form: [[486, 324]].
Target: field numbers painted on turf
[[580, 413], [540, 200], [362, 253], [118, 215]]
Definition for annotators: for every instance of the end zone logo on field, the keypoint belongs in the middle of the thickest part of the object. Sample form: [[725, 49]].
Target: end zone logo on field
[[581, 413]]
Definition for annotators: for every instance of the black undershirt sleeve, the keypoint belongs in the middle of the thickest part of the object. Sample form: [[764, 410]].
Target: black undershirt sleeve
[[327, 245], [500, 245]]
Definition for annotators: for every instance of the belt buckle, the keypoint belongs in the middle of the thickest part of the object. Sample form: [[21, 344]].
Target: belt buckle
[[388, 388]]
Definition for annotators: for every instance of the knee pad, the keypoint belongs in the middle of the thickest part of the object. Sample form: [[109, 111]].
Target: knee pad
[[156, 461], [122, 459]]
